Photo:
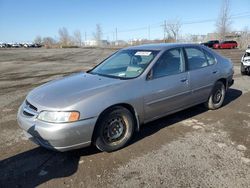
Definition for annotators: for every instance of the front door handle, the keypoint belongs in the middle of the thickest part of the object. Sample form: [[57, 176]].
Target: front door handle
[[215, 71], [183, 79]]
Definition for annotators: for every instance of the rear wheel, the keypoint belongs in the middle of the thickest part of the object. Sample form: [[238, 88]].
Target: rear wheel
[[217, 96], [115, 129]]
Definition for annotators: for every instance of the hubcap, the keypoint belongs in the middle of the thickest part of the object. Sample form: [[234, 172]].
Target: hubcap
[[114, 129], [217, 96]]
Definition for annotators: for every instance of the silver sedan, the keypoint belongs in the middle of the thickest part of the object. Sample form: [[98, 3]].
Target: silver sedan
[[135, 85]]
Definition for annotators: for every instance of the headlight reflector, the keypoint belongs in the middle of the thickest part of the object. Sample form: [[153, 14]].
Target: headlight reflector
[[58, 117]]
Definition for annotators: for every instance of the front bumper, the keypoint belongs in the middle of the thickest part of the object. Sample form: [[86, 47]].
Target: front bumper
[[246, 66], [57, 136]]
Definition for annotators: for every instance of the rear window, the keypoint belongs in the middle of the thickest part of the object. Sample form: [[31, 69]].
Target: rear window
[[227, 42]]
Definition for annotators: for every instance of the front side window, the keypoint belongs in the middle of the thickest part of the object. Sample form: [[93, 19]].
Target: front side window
[[171, 62], [196, 58], [125, 64]]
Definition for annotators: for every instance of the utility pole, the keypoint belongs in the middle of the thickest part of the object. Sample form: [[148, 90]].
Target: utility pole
[[165, 29], [149, 32], [85, 36], [113, 42], [116, 35]]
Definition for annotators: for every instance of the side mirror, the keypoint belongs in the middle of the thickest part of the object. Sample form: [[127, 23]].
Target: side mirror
[[150, 75]]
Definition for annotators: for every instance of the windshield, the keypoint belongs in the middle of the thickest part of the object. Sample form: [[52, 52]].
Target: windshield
[[125, 64], [247, 54]]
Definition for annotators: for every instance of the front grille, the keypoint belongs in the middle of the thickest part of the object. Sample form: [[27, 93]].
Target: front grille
[[27, 114], [30, 105], [29, 110]]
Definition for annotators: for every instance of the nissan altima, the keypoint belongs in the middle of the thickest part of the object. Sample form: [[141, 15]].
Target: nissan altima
[[107, 104]]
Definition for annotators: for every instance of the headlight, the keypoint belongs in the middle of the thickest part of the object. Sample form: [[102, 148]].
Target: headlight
[[58, 117]]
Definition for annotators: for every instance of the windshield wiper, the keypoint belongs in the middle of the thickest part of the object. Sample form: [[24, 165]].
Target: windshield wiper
[[105, 75]]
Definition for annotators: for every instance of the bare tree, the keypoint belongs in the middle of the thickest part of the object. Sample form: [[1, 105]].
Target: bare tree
[[48, 42], [244, 40], [98, 34], [173, 28], [77, 38], [64, 36], [224, 20], [38, 40]]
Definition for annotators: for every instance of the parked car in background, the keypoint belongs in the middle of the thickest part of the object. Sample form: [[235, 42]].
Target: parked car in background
[[28, 45], [37, 45], [135, 85], [245, 63], [226, 45], [19, 45], [8, 45], [2, 45], [16, 45], [210, 43]]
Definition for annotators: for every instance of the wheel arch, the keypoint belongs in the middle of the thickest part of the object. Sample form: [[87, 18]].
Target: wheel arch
[[224, 81]]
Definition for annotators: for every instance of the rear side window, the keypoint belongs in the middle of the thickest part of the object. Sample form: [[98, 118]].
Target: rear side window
[[210, 58], [196, 58]]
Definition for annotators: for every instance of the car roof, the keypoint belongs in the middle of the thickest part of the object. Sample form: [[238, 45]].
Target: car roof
[[160, 46], [248, 50]]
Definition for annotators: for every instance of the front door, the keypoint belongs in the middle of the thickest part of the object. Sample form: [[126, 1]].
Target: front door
[[168, 89]]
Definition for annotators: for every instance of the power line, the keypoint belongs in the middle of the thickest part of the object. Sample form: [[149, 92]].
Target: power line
[[246, 14], [163, 24]]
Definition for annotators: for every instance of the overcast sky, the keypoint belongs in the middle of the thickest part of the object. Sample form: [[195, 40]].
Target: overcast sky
[[23, 20]]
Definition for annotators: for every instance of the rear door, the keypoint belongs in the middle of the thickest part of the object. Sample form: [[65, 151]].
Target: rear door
[[168, 89], [203, 73], [228, 45]]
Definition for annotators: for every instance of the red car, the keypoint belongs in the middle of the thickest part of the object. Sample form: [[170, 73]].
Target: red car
[[226, 45]]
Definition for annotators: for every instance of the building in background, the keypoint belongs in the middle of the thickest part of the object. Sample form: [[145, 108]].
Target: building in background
[[96, 43]]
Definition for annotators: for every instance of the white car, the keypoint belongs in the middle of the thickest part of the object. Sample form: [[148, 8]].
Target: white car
[[245, 63]]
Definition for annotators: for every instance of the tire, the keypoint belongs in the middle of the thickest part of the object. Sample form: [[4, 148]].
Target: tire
[[242, 70], [114, 129], [216, 97]]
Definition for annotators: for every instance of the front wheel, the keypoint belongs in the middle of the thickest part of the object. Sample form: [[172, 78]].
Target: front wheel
[[114, 130], [217, 96], [243, 70]]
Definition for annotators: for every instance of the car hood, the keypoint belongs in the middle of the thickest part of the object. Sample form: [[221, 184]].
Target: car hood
[[67, 91]]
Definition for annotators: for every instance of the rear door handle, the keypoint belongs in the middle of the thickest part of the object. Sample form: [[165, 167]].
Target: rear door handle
[[214, 72]]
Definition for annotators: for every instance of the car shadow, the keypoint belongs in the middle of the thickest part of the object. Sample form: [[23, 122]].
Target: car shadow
[[37, 166], [232, 95]]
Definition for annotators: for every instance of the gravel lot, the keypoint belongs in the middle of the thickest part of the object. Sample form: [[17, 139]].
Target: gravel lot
[[192, 148]]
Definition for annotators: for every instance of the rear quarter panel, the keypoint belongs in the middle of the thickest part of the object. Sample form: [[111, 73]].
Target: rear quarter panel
[[225, 67]]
